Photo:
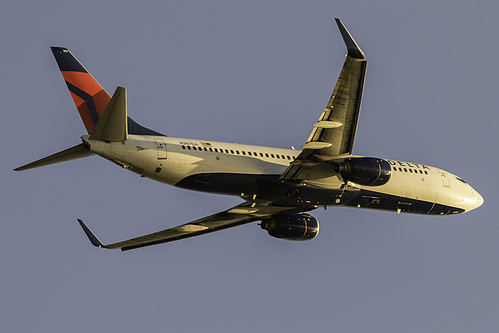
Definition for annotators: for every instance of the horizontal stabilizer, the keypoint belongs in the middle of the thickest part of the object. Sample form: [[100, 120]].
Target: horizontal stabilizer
[[113, 125], [69, 154]]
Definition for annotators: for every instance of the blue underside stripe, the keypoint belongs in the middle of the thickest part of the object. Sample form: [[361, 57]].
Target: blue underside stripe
[[269, 187]]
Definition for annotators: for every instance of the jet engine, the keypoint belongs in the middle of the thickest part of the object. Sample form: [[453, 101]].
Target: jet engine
[[296, 227], [368, 171]]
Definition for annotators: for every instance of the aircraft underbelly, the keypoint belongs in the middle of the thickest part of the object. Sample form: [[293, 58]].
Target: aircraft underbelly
[[267, 187]]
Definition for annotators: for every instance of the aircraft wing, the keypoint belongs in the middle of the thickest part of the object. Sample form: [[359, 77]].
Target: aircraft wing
[[238, 215], [334, 134]]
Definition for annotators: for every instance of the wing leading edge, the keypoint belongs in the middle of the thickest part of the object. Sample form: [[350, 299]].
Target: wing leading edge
[[334, 133], [238, 215]]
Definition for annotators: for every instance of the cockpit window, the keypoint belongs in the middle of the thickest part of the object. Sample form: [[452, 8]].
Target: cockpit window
[[461, 180]]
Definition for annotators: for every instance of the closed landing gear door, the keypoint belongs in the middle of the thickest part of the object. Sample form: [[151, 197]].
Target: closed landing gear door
[[348, 193]]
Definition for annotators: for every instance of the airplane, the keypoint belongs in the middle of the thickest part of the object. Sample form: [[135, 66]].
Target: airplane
[[278, 186]]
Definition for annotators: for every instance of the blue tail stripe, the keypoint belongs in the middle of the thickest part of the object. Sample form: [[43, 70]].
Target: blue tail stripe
[[88, 99]]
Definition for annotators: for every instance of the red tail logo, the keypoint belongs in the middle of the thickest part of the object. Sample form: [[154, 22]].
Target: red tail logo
[[88, 95]]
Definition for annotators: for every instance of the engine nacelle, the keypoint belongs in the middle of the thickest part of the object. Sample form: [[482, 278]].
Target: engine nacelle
[[296, 227], [367, 171]]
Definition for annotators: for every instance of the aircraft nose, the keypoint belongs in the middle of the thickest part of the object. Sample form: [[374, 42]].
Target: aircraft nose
[[475, 200], [479, 199]]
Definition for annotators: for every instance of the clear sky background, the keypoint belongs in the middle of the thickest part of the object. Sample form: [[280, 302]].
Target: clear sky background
[[252, 72]]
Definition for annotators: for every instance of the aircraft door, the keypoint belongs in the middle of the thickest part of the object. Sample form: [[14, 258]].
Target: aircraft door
[[445, 178], [161, 148]]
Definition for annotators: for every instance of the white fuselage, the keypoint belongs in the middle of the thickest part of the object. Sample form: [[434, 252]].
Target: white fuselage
[[253, 172]]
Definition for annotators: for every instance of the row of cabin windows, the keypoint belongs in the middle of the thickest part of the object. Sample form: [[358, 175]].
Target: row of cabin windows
[[227, 151], [410, 170]]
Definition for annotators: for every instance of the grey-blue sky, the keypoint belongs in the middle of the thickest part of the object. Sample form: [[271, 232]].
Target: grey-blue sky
[[259, 73]]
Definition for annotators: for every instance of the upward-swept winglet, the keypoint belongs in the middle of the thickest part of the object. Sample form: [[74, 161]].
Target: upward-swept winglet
[[93, 239], [354, 50]]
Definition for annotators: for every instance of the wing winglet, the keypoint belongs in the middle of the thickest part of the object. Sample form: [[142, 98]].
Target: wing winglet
[[354, 50], [91, 236]]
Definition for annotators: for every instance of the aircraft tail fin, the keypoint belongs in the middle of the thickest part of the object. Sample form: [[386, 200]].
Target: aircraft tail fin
[[88, 95], [78, 151], [112, 126]]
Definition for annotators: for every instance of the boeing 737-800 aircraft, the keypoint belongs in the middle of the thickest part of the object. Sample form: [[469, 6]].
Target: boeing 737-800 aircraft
[[278, 185]]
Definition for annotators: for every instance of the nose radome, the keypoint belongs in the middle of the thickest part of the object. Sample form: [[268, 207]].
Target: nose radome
[[474, 201], [479, 199]]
